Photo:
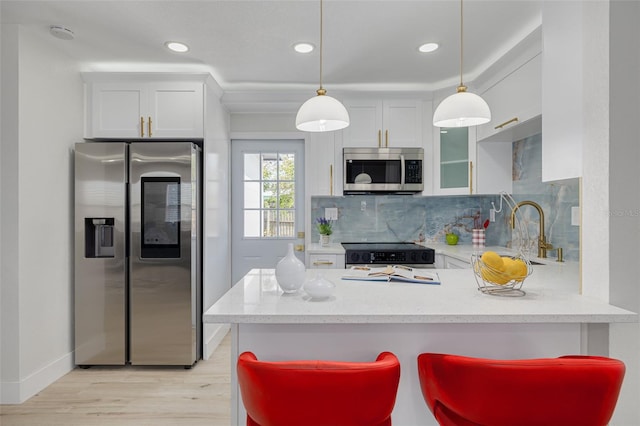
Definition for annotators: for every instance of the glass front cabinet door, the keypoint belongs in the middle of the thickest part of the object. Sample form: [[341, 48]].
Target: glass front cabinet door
[[454, 160]]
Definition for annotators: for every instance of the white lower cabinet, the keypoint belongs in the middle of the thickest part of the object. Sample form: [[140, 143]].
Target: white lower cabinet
[[321, 257], [325, 261], [442, 261]]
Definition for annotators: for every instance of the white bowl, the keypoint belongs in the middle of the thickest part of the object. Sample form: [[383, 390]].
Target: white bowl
[[319, 287]]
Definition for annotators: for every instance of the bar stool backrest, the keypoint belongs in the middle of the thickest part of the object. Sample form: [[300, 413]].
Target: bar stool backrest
[[570, 390], [314, 393]]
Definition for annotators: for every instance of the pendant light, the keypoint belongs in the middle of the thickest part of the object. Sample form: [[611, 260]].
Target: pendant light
[[462, 109], [322, 113]]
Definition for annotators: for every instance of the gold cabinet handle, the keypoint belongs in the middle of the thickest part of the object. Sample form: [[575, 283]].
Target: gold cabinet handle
[[149, 127], [142, 127], [379, 138], [471, 177], [331, 179], [323, 262], [500, 126], [386, 138]]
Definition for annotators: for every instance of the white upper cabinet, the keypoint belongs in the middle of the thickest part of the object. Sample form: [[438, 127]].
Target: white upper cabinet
[[323, 164], [383, 123], [563, 90], [515, 99], [454, 153], [144, 110]]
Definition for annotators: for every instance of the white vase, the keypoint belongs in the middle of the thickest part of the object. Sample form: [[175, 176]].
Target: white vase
[[324, 240], [290, 272], [319, 287]]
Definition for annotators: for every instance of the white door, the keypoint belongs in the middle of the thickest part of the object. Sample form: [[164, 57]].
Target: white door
[[267, 202]]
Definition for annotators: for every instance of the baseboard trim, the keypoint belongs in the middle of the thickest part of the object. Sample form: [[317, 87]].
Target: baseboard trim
[[19, 392], [213, 335]]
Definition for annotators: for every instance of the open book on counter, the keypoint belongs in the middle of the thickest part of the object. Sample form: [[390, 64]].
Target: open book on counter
[[392, 273]]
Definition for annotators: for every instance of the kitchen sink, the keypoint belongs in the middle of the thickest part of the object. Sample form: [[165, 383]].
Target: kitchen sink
[[532, 262]]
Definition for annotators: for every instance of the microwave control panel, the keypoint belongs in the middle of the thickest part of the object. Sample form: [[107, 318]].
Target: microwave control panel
[[413, 171]]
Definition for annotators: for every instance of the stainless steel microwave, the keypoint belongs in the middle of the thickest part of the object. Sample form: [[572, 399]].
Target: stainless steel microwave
[[391, 170]]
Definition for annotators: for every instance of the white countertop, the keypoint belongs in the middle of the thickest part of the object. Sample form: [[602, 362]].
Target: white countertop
[[551, 297], [333, 248], [461, 251]]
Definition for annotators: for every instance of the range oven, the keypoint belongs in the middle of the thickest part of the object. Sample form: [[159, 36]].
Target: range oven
[[409, 254]]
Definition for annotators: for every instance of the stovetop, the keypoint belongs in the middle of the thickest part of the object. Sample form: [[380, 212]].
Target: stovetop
[[381, 246], [380, 253]]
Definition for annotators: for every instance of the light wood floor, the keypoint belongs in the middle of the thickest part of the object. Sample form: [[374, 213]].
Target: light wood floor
[[132, 396]]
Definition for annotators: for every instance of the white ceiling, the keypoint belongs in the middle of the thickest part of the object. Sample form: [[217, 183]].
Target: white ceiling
[[247, 45]]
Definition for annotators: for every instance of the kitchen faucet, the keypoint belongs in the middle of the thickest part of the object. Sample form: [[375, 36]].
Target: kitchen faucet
[[543, 245]]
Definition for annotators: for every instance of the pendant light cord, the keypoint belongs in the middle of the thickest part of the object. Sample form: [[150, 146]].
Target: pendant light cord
[[321, 44], [461, 42]]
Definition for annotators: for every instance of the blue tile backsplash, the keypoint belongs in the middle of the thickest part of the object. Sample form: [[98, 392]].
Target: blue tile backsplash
[[391, 218]]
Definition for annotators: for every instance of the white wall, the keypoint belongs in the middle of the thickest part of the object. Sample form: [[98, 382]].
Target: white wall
[[217, 208], [9, 372], [624, 198], [37, 322]]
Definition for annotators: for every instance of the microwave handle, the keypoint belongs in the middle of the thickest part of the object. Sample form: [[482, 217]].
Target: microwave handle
[[401, 172]]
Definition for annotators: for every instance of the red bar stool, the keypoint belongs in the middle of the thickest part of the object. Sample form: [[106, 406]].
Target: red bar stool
[[570, 390], [314, 393]]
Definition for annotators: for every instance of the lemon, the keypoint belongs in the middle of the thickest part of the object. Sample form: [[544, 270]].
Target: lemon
[[492, 268], [511, 268], [493, 277], [493, 260], [521, 270]]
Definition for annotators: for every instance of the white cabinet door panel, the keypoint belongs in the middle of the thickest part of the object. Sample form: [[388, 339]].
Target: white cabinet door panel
[[176, 110], [116, 110]]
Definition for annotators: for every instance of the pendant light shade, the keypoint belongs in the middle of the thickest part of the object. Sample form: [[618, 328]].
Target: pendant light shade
[[322, 113], [462, 109]]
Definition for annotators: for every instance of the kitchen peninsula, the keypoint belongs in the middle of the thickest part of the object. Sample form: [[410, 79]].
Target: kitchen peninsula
[[364, 318]]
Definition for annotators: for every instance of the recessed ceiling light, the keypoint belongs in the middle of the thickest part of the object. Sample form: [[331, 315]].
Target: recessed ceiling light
[[61, 32], [303, 47], [177, 46], [428, 47]]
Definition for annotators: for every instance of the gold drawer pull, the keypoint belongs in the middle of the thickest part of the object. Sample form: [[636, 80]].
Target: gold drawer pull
[[500, 126], [142, 127], [323, 262], [149, 126]]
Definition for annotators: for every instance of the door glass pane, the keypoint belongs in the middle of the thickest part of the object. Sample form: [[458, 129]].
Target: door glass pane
[[269, 195], [286, 169], [287, 223], [252, 223], [251, 166], [270, 222], [286, 195], [270, 166], [252, 195]]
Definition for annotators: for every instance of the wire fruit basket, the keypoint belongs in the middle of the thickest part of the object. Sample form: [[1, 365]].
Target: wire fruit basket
[[504, 275]]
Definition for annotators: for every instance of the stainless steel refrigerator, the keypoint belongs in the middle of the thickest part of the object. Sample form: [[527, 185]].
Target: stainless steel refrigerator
[[137, 253]]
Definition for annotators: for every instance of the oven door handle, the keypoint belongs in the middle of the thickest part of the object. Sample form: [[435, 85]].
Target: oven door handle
[[402, 172]]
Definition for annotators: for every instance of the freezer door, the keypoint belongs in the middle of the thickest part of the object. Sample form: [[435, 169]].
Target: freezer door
[[164, 317], [100, 253]]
